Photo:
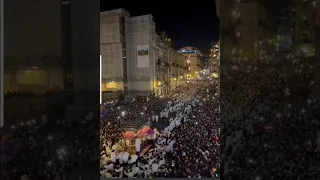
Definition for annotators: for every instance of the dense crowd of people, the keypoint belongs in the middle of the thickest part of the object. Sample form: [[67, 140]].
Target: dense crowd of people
[[270, 130], [188, 144], [270, 122], [38, 149]]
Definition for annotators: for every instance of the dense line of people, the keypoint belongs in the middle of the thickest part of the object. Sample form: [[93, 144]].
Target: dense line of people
[[187, 146]]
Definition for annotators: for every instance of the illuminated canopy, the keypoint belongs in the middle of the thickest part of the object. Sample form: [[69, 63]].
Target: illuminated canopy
[[189, 49]]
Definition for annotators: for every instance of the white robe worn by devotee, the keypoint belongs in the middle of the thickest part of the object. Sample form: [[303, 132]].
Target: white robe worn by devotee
[[113, 157], [135, 170], [103, 172], [155, 168], [157, 118], [24, 177], [125, 157], [133, 159], [167, 148], [162, 162], [178, 122], [110, 167], [108, 175], [138, 144], [119, 156], [151, 161], [129, 174], [119, 170], [147, 173]]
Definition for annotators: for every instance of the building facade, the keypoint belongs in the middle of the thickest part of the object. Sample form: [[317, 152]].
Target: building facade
[[195, 60], [304, 27], [178, 68], [207, 63], [30, 48], [113, 49], [136, 61], [243, 25]]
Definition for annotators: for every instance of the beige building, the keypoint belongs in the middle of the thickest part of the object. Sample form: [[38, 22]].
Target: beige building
[[178, 68], [162, 81], [195, 60], [135, 59], [113, 49], [243, 24]]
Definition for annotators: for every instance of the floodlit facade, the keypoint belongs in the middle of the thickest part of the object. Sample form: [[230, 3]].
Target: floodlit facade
[[162, 79], [113, 49], [131, 51], [178, 68], [141, 56], [195, 60], [136, 61]]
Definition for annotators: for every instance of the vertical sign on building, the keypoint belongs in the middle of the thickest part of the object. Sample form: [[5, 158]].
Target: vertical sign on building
[[1, 65], [143, 56]]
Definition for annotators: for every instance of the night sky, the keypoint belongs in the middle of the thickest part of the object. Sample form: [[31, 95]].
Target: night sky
[[188, 23]]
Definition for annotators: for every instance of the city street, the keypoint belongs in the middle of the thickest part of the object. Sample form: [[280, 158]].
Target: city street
[[187, 144]]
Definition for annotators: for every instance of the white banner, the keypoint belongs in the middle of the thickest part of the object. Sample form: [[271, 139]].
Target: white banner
[[143, 56]]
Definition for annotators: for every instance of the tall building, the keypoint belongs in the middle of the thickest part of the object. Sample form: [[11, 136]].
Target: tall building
[[114, 33], [128, 52], [135, 59], [244, 24], [195, 59], [26, 45], [178, 68], [49, 46]]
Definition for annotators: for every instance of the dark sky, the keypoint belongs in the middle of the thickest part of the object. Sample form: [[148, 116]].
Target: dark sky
[[188, 23]]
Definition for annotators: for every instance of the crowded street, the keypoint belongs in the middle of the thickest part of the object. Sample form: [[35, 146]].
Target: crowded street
[[186, 142], [270, 119]]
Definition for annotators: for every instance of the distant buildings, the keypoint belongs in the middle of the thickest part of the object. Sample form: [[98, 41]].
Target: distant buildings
[[195, 60], [215, 58], [207, 63], [136, 60]]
